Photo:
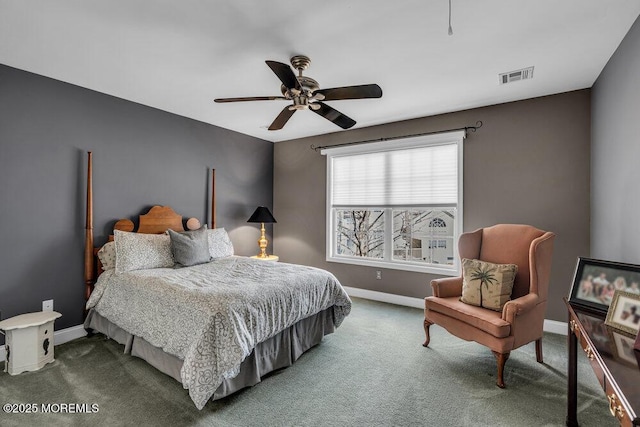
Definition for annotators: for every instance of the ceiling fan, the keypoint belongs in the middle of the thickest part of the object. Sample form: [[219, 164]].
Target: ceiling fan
[[306, 94]]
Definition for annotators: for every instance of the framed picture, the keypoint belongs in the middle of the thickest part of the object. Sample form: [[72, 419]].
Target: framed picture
[[624, 312], [595, 282], [623, 345]]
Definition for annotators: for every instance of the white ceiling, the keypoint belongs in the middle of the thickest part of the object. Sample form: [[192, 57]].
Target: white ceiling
[[178, 56]]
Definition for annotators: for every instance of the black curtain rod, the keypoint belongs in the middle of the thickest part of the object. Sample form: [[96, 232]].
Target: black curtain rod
[[466, 129]]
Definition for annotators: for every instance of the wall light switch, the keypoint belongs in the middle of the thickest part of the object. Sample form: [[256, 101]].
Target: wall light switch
[[378, 274], [47, 305]]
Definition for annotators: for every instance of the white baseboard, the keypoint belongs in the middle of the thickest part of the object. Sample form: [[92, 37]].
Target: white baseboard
[[385, 297], [59, 337], [555, 327], [551, 326]]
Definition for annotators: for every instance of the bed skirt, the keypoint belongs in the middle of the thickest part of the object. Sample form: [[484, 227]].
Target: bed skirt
[[277, 352]]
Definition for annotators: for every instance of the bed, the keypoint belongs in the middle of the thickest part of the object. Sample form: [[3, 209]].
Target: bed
[[216, 326]]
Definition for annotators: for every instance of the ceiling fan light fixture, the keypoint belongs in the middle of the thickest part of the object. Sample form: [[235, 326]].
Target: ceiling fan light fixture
[[300, 103]]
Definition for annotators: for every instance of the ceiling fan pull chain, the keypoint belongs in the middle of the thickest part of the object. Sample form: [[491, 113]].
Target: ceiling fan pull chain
[[450, 29]]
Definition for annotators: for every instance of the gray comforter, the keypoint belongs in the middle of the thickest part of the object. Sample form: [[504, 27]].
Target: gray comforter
[[212, 315]]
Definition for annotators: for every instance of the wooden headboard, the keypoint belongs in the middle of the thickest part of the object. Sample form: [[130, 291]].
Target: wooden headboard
[[156, 221]]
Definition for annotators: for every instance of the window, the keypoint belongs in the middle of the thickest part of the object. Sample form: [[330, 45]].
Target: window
[[437, 222], [396, 204]]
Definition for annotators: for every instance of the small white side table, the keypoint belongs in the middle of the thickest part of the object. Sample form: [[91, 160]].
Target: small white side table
[[274, 258], [29, 341]]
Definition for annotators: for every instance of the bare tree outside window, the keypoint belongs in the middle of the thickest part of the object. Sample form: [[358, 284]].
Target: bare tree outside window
[[360, 233]]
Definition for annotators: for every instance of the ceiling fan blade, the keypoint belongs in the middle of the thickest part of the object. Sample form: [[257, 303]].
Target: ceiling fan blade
[[285, 74], [350, 92], [334, 115], [282, 119], [252, 98]]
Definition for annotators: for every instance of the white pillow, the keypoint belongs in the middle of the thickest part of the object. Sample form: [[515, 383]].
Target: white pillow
[[138, 251], [107, 256], [219, 243]]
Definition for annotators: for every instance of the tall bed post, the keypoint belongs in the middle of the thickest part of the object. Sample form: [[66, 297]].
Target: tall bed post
[[213, 198], [89, 257], [88, 240]]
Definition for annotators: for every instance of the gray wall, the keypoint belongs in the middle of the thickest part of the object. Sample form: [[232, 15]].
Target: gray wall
[[529, 163], [142, 156], [615, 153]]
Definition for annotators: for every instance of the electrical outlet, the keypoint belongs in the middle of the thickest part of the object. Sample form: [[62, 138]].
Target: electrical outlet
[[378, 274], [47, 305]]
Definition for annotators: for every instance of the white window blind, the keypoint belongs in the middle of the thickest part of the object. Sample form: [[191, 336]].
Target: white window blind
[[416, 176]]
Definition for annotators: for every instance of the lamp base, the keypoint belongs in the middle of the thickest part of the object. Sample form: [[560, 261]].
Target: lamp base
[[262, 242], [274, 258]]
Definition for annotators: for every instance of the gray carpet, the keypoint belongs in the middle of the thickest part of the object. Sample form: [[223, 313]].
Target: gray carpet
[[372, 371]]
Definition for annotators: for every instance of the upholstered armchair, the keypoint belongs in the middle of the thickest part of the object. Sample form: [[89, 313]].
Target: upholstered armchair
[[521, 319]]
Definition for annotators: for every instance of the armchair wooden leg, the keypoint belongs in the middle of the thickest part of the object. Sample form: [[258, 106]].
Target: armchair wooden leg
[[502, 359], [539, 350], [426, 333]]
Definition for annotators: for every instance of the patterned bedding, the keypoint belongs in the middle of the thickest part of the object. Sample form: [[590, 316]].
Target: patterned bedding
[[212, 315]]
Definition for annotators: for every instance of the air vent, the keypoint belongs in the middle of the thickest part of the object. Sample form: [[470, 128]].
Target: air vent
[[514, 76]]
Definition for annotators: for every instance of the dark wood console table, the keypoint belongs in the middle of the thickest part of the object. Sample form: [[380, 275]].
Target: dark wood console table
[[612, 359]]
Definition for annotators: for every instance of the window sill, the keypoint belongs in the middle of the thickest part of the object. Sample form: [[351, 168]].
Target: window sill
[[441, 271]]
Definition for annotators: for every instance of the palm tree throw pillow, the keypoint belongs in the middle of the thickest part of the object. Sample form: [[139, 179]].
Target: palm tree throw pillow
[[487, 285]]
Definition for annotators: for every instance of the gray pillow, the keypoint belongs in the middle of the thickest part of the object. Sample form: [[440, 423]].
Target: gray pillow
[[190, 247]]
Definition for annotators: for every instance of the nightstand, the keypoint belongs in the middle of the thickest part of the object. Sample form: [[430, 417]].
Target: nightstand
[[29, 341], [274, 258]]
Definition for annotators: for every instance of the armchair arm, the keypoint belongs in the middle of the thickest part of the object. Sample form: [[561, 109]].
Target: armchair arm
[[447, 287], [519, 306]]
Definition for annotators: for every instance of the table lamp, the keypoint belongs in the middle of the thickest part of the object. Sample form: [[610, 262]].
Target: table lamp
[[262, 215]]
